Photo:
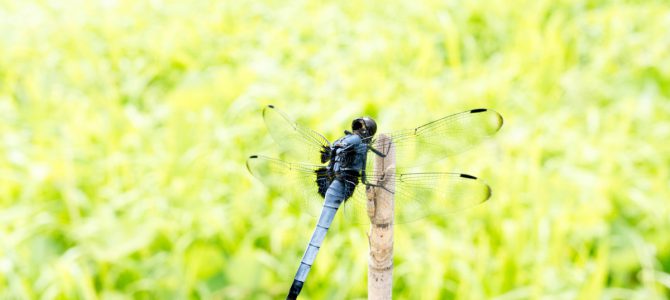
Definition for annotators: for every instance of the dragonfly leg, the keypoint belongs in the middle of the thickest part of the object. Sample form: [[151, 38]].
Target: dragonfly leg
[[365, 181], [375, 151]]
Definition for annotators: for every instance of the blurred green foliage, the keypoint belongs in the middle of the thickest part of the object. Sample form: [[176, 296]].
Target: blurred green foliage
[[124, 127]]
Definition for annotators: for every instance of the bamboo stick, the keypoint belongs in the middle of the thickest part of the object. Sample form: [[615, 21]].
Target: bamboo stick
[[380, 237]]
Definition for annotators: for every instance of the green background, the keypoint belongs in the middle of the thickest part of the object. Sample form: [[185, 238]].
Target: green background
[[124, 127]]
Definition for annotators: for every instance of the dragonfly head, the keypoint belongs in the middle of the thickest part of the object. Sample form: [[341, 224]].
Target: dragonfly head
[[365, 127]]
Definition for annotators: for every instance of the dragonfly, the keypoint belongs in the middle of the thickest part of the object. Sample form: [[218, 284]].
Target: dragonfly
[[328, 175]]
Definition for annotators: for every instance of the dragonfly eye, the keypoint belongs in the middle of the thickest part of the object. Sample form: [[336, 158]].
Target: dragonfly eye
[[364, 126]]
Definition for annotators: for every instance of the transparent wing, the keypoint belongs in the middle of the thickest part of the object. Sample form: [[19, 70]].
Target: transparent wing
[[418, 195], [296, 143], [297, 181], [441, 138]]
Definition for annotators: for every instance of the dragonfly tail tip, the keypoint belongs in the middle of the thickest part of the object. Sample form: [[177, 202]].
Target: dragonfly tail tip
[[295, 289]]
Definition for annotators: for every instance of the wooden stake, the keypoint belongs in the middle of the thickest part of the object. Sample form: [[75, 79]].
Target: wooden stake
[[380, 237]]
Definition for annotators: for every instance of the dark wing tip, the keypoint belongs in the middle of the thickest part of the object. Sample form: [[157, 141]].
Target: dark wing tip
[[468, 176], [248, 166], [267, 108], [480, 110], [488, 193]]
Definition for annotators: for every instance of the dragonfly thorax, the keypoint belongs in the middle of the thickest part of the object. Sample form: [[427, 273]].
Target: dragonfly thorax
[[346, 160], [347, 154]]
